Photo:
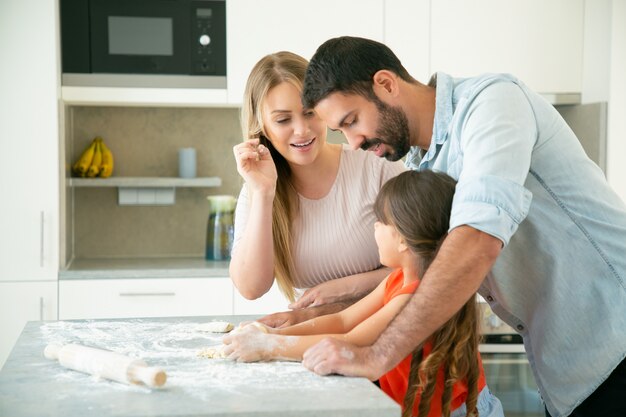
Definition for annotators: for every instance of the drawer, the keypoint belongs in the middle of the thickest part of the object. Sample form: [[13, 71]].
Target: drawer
[[121, 298]]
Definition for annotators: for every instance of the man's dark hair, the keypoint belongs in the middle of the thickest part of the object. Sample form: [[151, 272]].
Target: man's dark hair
[[347, 64]]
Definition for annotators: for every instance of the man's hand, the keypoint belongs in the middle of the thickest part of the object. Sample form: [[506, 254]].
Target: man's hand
[[332, 356]]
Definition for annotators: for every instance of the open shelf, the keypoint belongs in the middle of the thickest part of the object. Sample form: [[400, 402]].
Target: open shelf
[[146, 182]]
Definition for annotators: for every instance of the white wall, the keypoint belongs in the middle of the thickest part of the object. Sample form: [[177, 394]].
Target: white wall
[[596, 51], [616, 146]]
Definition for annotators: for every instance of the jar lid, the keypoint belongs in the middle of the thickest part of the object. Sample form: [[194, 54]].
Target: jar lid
[[222, 202]]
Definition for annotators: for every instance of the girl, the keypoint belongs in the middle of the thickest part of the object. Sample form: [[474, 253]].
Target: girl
[[286, 223], [444, 376]]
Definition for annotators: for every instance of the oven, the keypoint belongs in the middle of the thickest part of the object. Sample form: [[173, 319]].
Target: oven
[[507, 370]]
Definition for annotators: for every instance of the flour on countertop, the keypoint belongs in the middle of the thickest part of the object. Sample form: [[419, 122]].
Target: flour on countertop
[[174, 346]]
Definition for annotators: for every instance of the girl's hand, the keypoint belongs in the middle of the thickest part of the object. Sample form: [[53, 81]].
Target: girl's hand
[[256, 166], [250, 344]]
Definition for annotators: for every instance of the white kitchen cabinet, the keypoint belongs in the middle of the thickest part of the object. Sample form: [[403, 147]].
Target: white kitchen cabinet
[[21, 302], [407, 33], [256, 28], [160, 297], [29, 147], [271, 302], [540, 42]]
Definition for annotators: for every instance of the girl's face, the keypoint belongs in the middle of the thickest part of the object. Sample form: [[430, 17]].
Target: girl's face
[[298, 135], [389, 244]]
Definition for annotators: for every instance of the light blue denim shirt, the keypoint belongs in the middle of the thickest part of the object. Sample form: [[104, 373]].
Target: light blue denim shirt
[[524, 178]]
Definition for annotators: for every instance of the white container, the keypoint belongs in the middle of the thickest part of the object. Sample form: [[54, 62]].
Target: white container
[[187, 163]]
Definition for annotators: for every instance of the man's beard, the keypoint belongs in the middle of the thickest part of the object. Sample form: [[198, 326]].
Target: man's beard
[[393, 131]]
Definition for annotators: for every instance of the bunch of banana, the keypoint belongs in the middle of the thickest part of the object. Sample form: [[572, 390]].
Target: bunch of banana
[[96, 160]]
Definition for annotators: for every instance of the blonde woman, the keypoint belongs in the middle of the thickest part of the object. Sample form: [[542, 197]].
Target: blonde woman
[[304, 215]]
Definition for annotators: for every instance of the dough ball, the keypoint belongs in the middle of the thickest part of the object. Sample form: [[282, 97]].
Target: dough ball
[[215, 327], [213, 352]]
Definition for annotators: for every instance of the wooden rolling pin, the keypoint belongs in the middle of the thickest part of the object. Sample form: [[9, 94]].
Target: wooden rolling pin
[[105, 364]]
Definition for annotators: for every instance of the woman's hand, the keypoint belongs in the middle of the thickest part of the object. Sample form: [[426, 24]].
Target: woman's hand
[[324, 293], [256, 166], [250, 343]]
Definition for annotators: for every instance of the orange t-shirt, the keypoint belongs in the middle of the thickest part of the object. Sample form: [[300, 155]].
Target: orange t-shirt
[[395, 382]]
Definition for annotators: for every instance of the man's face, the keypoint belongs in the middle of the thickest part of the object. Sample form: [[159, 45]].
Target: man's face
[[367, 124]]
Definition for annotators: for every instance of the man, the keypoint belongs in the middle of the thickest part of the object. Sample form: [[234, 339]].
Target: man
[[535, 228]]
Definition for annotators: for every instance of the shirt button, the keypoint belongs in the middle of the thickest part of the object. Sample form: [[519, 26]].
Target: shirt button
[[520, 327], [489, 298]]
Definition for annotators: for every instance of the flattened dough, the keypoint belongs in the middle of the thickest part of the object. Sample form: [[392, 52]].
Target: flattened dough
[[213, 352], [215, 327]]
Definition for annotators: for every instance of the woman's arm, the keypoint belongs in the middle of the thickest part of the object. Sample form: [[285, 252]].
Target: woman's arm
[[350, 288], [252, 261]]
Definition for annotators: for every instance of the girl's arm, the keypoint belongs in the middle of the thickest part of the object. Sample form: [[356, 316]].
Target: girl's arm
[[252, 344], [342, 321]]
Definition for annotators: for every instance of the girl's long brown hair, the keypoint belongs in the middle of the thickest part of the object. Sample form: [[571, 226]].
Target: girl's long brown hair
[[269, 72], [418, 205]]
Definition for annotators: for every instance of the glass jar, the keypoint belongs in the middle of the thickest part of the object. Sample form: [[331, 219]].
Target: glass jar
[[220, 227]]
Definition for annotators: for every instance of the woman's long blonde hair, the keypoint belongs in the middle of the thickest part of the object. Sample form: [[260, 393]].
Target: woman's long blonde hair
[[418, 205], [269, 72]]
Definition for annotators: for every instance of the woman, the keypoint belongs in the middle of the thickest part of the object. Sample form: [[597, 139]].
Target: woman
[[304, 215]]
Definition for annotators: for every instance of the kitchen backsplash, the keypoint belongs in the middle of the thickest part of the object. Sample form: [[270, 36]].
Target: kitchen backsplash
[[145, 143]]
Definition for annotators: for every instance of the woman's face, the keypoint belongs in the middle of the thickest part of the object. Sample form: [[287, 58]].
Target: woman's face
[[298, 135]]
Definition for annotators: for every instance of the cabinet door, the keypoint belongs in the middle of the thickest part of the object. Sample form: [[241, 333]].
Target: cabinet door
[[21, 302], [122, 298], [271, 302], [540, 42], [29, 148], [257, 28]]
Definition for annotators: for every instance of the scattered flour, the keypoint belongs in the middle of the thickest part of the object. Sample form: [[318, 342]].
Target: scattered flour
[[346, 354], [174, 346]]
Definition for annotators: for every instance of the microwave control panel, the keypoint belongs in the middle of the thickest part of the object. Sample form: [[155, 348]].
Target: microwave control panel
[[209, 37]]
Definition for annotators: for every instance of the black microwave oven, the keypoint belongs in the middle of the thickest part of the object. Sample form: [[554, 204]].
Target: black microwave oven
[[143, 43]]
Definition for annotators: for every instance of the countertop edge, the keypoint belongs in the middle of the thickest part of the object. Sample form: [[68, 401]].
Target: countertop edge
[[142, 274]]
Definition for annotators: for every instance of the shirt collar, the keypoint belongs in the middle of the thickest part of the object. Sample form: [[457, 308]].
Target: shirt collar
[[444, 88], [444, 110]]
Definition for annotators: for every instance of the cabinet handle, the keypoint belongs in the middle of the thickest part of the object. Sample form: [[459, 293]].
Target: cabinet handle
[[147, 294], [40, 308], [41, 238]]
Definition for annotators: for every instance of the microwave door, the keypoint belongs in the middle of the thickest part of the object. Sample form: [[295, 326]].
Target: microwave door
[[139, 37]]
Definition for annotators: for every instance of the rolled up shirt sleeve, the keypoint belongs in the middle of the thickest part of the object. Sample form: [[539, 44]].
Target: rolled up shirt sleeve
[[497, 135], [490, 204]]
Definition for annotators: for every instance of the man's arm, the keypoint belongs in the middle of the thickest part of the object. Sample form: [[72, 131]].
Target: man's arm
[[465, 258]]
